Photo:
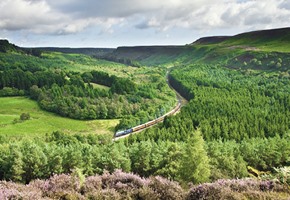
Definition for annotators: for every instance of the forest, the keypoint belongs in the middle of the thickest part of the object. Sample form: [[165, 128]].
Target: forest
[[75, 94], [26, 160], [228, 104]]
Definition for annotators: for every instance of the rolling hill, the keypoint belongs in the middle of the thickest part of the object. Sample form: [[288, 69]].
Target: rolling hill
[[215, 49]]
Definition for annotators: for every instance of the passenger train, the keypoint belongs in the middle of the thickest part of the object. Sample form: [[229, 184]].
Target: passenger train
[[148, 124]]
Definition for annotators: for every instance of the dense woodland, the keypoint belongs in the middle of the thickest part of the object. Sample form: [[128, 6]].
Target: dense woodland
[[227, 104], [26, 160], [72, 94]]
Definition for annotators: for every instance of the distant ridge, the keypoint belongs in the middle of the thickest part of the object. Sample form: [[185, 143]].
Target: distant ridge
[[211, 40], [260, 36], [143, 52], [99, 52], [270, 33]]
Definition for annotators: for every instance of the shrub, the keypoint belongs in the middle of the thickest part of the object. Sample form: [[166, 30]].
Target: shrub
[[92, 184], [236, 189], [278, 65], [120, 180], [120, 185], [165, 189], [59, 186], [24, 116], [10, 190]]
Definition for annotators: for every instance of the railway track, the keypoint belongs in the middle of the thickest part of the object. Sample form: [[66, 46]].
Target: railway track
[[180, 101]]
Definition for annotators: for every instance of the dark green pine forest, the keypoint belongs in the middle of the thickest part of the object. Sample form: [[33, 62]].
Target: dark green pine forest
[[234, 122]]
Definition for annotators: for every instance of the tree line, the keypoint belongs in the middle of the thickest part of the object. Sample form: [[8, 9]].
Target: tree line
[[190, 161], [72, 94]]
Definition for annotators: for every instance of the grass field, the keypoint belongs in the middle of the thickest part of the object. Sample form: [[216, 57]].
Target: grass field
[[103, 87], [84, 63], [42, 122]]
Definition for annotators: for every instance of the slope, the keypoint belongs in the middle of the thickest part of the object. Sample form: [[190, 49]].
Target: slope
[[226, 50]]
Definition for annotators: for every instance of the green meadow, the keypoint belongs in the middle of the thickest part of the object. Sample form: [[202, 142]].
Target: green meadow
[[42, 122]]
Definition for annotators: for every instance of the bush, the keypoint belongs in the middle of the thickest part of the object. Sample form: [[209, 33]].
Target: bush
[[236, 189], [24, 116], [10, 190], [120, 185], [8, 91], [59, 186], [165, 189], [278, 65]]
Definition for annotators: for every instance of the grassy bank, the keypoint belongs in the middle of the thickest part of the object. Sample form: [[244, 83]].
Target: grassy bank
[[42, 122]]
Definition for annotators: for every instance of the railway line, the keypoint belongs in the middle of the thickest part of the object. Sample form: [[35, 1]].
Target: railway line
[[180, 101]]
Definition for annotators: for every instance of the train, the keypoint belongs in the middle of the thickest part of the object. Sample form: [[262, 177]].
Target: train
[[147, 124]]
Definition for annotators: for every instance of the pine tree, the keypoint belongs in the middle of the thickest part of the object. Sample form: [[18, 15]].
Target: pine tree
[[171, 162], [195, 162], [16, 165]]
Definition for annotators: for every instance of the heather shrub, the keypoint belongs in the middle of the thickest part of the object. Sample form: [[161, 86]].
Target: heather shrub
[[61, 186], [120, 180], [208, 191], [105, 194], [129, 186], [254, 195], [165, 189], [147, 193], [120, 185], [92, 183], [237, 189], [10, 190], [126, 184]]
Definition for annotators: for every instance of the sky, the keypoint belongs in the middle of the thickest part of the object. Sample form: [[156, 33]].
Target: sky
[[113, 23]]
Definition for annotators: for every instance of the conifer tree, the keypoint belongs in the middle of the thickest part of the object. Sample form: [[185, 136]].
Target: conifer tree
[[16, 165], [195, 162]]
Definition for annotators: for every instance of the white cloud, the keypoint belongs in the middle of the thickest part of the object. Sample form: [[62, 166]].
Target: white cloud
[[20, 14], [37, 16], [74, 16], [285, 4], [246, 14]]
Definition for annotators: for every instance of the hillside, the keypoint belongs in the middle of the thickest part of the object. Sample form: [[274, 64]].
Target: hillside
[[253, 38], [80, 87], [211, 40], [215, 49], [274, 40], [149, 55], [225, 50]]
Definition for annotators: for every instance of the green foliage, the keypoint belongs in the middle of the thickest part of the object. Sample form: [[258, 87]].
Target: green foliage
[[193, 161], [171, 162], [194, 165], [5, 46], [72, 94], [8, 91], [226, 160], [264, 154], [15, 164], [281, 174], [231, 104], [24, 116]]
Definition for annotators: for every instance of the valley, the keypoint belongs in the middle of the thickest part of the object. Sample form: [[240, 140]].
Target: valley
[[61, 107]]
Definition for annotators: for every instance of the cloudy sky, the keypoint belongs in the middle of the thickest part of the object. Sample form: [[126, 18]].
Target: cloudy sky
[[112, 23]]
